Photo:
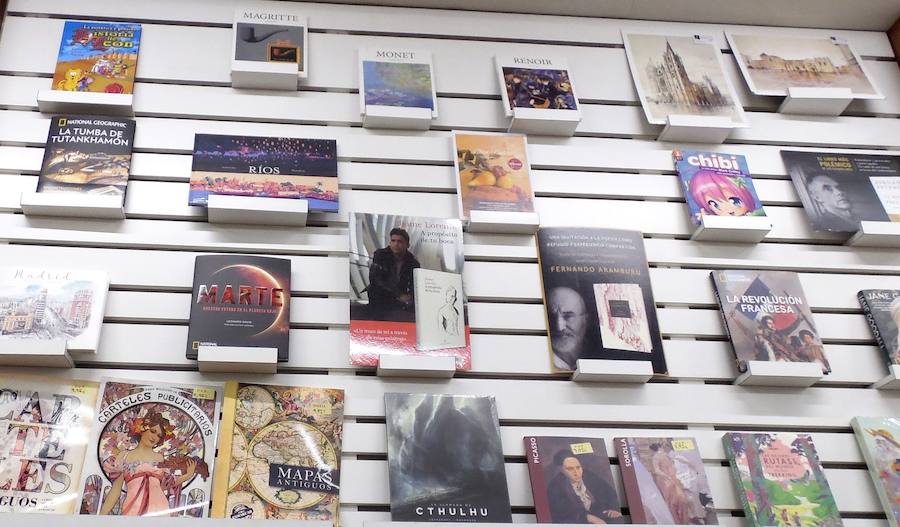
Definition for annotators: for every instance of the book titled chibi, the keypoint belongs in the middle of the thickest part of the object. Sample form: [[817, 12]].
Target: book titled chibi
[[767, 317], [665, 481], [840, 190], [267, 32], [280, 453], [406, 294], [780, 480], [266, 167], [45, 425], [397, 78], [597, 296], [571, 480], [492, 173], [716, 184], [445, 460], [240, 301], [151, 450], [48, 304], [882, 310], [91, 155], [879, 440], [535, 82], [97, 57]]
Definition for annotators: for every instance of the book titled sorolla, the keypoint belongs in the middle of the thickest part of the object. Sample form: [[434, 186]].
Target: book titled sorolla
[[879, 440], [445, 460], [240, 301], [406, 295], [665, 481], [97, 57], [45, 425], [882, 309], [571, 480], [767, 317], [280, 453], [492, 173], [598, 297], [265, 167], [53, 304], [780, 480], [716, 184], [151, 450]]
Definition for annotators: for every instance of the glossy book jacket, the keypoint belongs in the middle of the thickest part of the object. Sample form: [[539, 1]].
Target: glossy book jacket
[[879, 440], [716, 184], [97, 57]]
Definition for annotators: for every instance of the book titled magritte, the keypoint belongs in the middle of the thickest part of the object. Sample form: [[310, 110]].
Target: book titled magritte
[[773, 473], [270, 32], [240, 301], [879, 440], [882, 309]]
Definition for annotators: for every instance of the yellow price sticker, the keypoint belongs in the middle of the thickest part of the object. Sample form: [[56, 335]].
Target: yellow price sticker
[[682, 444], [582, 448], [204, 393], [320, 409]]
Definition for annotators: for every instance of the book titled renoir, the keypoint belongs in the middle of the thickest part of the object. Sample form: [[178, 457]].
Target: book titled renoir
[[716, 184]]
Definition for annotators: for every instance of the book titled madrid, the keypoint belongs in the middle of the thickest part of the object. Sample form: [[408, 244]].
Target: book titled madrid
[[240, 301], [97, 57], [45, 423], [280, 453], [882, 309], [571, 480], [597, 296], [445, 460], [716, 184], [49, 304], [665, 482], [879, 440], [776, 472], [767, 317], [91, 155]]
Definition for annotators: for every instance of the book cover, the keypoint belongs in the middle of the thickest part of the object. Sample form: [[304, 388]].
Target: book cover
[[439, 310], [266, 167], [397, 78], [767, 317], [44, 424], [492, 173], [535, 82], [151, 450], [97, 57], [665, 482], [882, 310], [445, 460], [598, 297], [91, 155], [680, 75], [840, 190], [241, 301], [773, 63], [716, 184], [780, 480], [49, 304], [385, 252], [571, 480], [269, 32], [879, 440], [280, 453]]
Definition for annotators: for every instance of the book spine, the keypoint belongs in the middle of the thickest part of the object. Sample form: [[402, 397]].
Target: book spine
[[873, 324], [222, 468], [736, 477], [629, 480], [536, 476], [741, 365]]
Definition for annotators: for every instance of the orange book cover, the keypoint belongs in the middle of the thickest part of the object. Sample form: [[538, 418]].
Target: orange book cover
[[493, 173]]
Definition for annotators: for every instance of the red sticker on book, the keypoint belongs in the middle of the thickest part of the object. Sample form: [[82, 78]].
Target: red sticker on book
[[514, 163]]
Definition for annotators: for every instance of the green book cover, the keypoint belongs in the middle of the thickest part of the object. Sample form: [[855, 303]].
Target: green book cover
[[879, 440]]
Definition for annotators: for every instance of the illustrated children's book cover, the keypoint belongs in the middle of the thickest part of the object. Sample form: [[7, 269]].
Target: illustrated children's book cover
[[97, 57], [716, 184], [879, 440]]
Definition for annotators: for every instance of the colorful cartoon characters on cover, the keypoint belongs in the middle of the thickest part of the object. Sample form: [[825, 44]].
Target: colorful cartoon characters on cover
[[97, 57], [716, 184]]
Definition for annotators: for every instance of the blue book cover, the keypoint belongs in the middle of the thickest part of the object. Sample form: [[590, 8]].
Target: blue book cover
[[716, 184]]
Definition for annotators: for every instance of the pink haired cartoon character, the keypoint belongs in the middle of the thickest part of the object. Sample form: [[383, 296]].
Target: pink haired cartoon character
[[722, 195]]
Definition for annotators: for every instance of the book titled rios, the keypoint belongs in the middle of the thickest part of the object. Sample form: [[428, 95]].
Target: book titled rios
[[597, 295], [445, 460], [882, 309], [280, 453], [879, 440], [240, 301]]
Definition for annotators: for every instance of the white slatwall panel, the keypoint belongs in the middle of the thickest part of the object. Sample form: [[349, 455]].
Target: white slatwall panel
[[612, 174]]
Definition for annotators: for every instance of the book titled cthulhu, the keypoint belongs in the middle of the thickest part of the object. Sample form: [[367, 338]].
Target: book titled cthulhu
[[879, 440], [270, 32]]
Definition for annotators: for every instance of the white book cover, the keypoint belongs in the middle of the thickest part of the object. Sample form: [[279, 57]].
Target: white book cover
[[394, 78], [440, 319], [622, 318], [536, 82], [37, 303], [271, 32]]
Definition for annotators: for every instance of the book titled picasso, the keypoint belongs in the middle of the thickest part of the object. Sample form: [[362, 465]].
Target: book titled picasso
[[716, 184]]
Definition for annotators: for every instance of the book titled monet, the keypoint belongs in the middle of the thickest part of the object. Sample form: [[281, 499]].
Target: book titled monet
[[396, 78], [780, 480], [716, 184], [882, 309], [97, 57], [879, 440]]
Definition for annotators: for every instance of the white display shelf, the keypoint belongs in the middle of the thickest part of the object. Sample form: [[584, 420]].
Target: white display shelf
[[73, 204], [442, 367], [891, 381], [536, 121], [489, 221], [69, 102], [816, 101], [249, 210], [876, 234], [777, 373], [619, 371], [397, 117], [237, 359], [740, 229], [264, 75], [709, 129], [35, 353]]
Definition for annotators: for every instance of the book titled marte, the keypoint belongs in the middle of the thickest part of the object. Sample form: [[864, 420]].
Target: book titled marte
[[882, 309], [879, 440]]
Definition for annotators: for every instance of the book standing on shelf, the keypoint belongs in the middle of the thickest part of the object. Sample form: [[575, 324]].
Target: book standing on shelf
[[493, 173], [716, 184], [879, 440], [882, 310], [535, 82], [97, 57], [265, 32], [397, 78]]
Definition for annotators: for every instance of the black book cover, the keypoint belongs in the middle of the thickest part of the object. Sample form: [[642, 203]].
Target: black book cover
[[445, 460], [242, 301], [87, 154], [882, 309], [597, 297]]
